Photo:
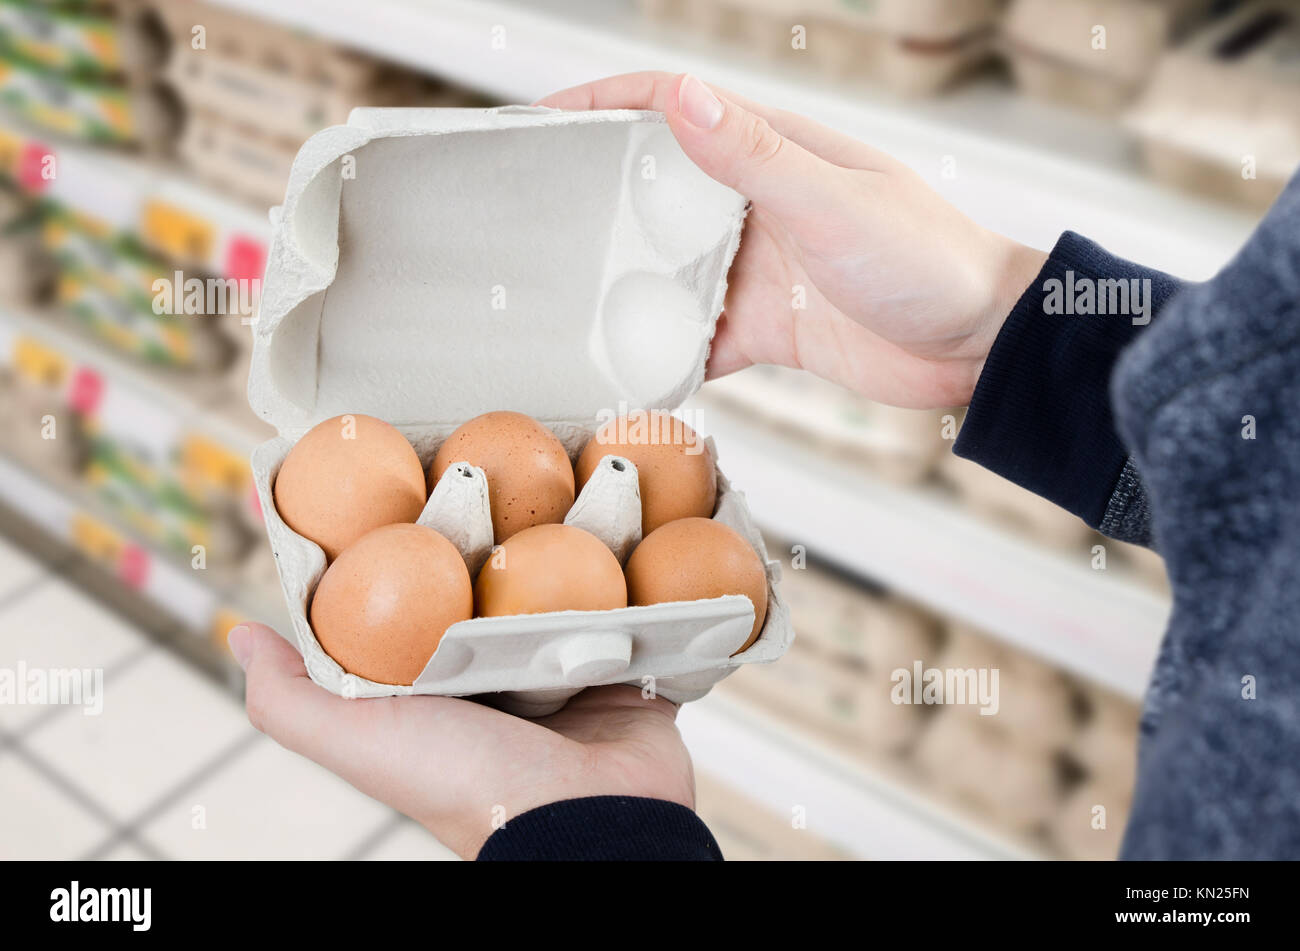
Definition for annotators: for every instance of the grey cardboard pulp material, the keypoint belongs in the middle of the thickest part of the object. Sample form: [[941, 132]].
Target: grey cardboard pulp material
[[429, 265]]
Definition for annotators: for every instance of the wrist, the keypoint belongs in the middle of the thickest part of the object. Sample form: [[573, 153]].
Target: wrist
[[1011, 269]]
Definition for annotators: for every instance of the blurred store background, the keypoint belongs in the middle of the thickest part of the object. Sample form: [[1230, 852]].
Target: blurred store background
[[139, 137]]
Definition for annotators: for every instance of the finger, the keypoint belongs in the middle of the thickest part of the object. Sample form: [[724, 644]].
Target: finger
[[658, 91], [281, 700], [725, 354], [618, 695]]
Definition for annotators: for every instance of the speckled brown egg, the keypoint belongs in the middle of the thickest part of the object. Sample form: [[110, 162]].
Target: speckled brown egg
[[383, 605], [549, 568], [691, 559], [529, 475], [345, 477], [674, 469]]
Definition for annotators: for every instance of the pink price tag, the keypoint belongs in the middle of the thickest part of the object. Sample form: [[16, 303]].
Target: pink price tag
[[36, 167], [86, 391], [245, 258], [133, 567]]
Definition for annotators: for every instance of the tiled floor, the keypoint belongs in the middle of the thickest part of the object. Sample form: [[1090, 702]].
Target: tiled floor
[[170, 768]]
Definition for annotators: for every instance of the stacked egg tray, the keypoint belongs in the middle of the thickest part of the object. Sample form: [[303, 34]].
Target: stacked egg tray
[[254, 91], [913, 48], [1035, 771]]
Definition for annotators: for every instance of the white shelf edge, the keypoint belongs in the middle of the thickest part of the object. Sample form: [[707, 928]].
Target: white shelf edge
[[1095, 624], [847, 803]]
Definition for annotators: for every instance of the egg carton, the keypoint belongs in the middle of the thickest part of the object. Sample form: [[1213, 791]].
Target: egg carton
[[914, 48], [1229, 92], [1055, 53], [429, 265]]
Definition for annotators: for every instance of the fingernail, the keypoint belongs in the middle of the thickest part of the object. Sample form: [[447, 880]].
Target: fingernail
[[699, 106], [240, 640]]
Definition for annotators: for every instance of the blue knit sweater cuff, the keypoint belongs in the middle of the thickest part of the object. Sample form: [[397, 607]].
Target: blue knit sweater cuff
[[604, 829], [1041, 414]]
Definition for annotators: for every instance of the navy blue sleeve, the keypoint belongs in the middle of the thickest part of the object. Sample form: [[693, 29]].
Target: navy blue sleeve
[[1041, 413], [604, 829]]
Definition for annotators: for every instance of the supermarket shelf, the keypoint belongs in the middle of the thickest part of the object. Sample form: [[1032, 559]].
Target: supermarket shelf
[[149, 406], [155, 577], [923, 545], [158, 204], [864, 812], [1022, 168]]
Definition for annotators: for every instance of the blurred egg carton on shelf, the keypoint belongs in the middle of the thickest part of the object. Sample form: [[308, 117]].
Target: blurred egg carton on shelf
[[1093, 54], [993, 497], [914, 48], [1221, 116], [254, 91], [373, 291], [747, 831], [902, 445], [1049, 744]]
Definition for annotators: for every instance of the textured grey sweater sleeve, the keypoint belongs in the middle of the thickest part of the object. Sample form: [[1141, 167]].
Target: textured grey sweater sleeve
[[1207, 401], [1128, 516]]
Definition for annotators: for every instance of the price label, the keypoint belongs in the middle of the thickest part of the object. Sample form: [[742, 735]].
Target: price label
[[95, 540], [177, 232], [38, 363]]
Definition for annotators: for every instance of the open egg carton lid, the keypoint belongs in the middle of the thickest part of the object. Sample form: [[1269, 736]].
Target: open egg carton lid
[[431, 265]]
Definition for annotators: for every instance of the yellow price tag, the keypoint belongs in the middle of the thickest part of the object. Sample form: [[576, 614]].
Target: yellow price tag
[[39, 363], [173, 231], [210, 465], [95, 539]]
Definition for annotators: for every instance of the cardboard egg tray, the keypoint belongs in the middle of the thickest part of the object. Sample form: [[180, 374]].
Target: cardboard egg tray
[[1228, 93], [1050, 45], [914, 48], [235, 158], [280, 83], [1004, 502], [430, 265]]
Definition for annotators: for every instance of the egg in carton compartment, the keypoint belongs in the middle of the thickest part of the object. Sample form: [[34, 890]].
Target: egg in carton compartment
[[1093, 54], [914, 48], [557, 264], [1227, 95]]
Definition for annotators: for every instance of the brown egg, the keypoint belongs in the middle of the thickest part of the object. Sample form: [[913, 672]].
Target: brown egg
[[691, 559], [549, 568], [383, 605], [346, 476], [530, 477], [674, 468]]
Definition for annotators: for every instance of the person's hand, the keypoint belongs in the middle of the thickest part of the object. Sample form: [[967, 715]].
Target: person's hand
[[457, 767], [904, 294]]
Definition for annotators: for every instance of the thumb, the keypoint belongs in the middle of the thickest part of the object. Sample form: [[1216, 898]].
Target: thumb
[[741, 150]]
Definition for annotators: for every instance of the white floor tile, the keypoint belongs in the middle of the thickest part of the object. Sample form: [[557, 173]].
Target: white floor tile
[[38, 820], [17, 568], [58, 626], [269, 803], [161, 722], [411, 843]]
